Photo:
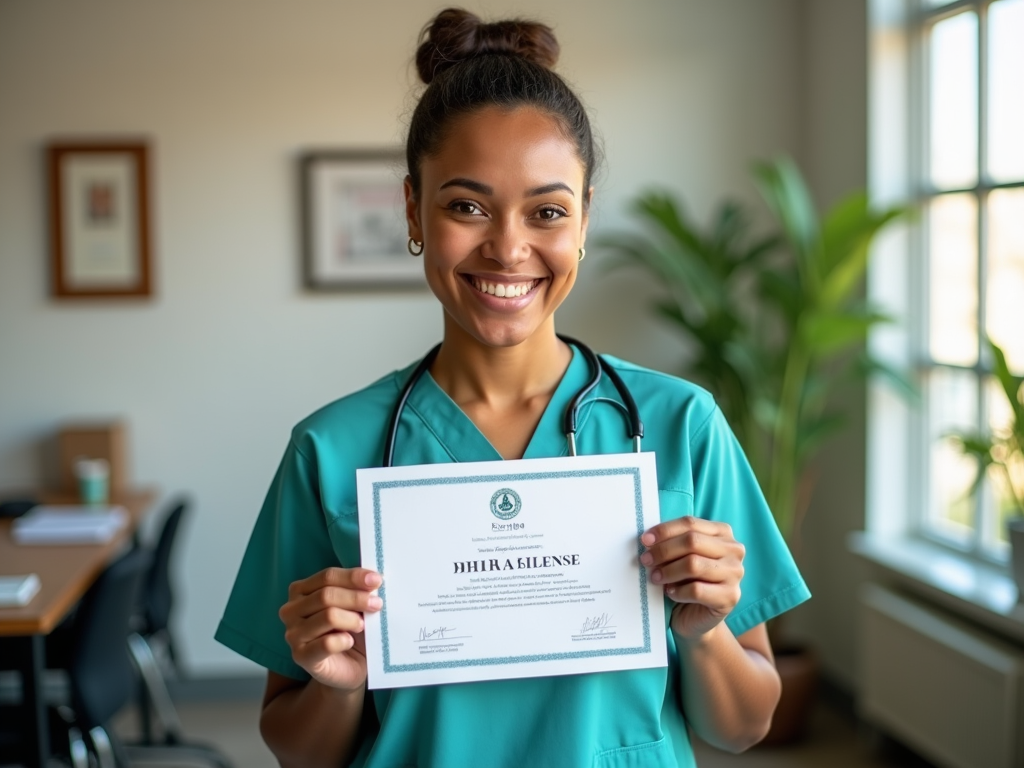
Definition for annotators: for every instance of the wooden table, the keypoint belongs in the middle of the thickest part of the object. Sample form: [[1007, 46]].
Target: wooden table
[[65, 572]]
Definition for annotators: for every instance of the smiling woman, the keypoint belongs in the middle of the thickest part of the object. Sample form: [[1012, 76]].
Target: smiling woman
[[501, 217], [500, 161]]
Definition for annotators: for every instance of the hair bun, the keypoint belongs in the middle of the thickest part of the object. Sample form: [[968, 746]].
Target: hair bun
[[455, 35]]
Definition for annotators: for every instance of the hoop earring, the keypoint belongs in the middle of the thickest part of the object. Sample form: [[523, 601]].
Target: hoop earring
[[583, 253], [410, 244]]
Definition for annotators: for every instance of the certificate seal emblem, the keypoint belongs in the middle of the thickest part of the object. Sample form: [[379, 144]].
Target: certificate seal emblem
[[505, 504]]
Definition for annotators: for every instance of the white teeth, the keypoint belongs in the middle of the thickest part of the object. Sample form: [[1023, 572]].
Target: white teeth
[[501, 289]]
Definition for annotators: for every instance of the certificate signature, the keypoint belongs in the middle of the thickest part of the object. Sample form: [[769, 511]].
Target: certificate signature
[[440, 633], [596, 624]]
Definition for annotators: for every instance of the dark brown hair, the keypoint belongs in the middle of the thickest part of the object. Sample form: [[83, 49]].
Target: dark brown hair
[[468, 65]]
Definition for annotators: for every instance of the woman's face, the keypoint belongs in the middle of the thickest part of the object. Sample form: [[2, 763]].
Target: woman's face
[[501, 216]]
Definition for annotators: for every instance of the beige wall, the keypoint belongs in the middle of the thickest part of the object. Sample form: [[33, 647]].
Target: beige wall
[[213, 372], [833, 154]]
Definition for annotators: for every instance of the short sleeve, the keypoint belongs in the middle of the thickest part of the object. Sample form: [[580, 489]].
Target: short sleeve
[[725, 489], [289, 542]]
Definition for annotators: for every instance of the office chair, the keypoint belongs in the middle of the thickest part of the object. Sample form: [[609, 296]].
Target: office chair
[[157, 595], [151, 624], [102, 654], [99, 669]]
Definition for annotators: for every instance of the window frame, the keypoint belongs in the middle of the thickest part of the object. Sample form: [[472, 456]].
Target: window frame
[[921, 20]]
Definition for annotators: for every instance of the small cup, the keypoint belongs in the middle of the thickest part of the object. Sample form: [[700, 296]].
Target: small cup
[[93, 481]]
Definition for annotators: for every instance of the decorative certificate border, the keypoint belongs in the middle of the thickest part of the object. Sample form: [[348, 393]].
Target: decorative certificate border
[[379, 548]]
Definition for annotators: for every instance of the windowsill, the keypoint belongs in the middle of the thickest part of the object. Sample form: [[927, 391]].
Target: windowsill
[[982, 593]]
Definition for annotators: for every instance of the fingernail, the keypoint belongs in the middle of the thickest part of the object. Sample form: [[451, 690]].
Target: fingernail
[[670, 590], [656, 577], [371, 579], [374, 602], [647, 539], [646, 558]]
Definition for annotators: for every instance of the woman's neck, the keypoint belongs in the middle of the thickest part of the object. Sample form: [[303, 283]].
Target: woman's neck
[[471, 371], [503, 390]]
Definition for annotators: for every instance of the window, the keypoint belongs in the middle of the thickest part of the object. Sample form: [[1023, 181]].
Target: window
[[966, 168]]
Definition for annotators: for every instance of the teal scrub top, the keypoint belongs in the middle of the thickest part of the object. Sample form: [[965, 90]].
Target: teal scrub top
[[309, 522]]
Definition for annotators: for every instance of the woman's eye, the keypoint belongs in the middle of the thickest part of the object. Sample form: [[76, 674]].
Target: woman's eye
[[465, 207], [550, 214]]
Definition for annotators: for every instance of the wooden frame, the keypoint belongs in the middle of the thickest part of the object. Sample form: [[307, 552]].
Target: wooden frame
[[99, 219], [354, 234]]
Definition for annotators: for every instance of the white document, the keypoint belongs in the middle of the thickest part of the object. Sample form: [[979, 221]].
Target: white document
[[16, 591], [68, 525], [507, 569]]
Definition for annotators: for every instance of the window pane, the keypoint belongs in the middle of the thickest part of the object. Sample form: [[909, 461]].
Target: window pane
[[952, 406], [999, 492], [1006, 90], [1004, 305], [953, 276], [953, 97]]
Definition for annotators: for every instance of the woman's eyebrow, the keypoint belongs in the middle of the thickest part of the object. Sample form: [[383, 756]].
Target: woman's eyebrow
[[475, 186], [484, 189], [548, 188]]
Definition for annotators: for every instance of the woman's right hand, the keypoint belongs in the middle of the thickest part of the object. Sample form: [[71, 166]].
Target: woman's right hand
[[323, 621]]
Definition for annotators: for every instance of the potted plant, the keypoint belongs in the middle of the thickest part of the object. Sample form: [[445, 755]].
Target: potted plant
[[776, 325], [1000, 454]]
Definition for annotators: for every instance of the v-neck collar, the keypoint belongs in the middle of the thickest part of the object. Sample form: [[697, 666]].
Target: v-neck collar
[[465, 442]]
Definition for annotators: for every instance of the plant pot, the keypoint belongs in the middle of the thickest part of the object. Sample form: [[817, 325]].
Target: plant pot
[[799, 671], [1016, 530]]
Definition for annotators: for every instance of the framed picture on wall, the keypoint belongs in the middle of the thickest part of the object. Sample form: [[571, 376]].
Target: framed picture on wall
[[354, 231], [99, 219]]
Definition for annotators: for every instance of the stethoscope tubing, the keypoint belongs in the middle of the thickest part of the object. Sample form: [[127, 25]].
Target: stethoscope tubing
[[598, 367]]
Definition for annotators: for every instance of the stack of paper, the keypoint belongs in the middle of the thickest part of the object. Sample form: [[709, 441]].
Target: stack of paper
[[68, 525], [18, 590]]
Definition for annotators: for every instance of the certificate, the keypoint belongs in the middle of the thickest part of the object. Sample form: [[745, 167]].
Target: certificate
[[508, 569]]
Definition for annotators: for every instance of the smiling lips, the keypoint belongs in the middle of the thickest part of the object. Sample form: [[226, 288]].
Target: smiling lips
[[503, 290]]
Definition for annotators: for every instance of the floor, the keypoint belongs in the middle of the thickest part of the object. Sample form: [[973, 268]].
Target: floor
[[834, 740]]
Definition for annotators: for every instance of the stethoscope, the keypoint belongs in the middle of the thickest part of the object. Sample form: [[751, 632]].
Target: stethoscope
[[597, 365]]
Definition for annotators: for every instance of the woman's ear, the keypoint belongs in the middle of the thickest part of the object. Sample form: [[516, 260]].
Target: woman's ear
[[412, 211]]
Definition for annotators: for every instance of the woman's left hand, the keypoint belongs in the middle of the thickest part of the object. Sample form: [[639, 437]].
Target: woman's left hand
[[701, 566]]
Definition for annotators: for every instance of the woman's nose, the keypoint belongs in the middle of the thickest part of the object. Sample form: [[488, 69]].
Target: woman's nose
[[508, 245]]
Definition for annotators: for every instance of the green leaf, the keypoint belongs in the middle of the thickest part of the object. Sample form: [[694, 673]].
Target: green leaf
[[783, 290], [842, 227], [1011, 384], [816, 389], [760, 249], [671, 311], [902, 381], [980, 447], [730, 226], [744, 359], [974, 444], [828, 332], [661, 210], [675, 268], [846, 252], [766, 413], [786, 195], [811, 436]]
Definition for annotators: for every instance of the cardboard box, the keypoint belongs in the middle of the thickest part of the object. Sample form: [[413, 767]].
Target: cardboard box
[[96, 440]]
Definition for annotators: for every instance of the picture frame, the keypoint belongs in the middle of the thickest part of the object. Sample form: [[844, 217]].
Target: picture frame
[[100, 231], [354, 233]]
